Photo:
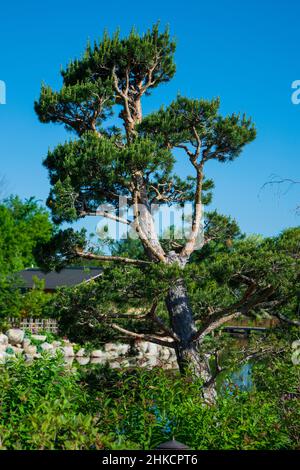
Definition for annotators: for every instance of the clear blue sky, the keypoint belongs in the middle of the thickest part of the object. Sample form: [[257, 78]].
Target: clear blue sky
[[245, 52]]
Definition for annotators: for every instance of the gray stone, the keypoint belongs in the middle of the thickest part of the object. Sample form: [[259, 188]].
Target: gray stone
[[69, 361], [3, 339], [98, 353], [110, 347], [30, 349], [143, 347], [67, 351], [151, 361], [98, 360], [115, 365], [122, 349], [47, 347], [26, 342], [3, 357], [28, 357], [18, 351], [81, 353], [83, 361], [152, 349], [15, 335]]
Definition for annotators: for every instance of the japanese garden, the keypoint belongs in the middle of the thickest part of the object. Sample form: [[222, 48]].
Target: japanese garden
[[158, 334]]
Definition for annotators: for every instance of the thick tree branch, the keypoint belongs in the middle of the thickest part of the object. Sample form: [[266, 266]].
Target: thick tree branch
[[196, 225], [144, 237], [119, 259], [143, 337], [205, 330], [105, 214]]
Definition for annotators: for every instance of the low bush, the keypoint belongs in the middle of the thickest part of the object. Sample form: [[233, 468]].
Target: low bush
[[44, 405]]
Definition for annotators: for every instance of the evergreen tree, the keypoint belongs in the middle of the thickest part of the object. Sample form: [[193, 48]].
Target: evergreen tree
[[103, 164]]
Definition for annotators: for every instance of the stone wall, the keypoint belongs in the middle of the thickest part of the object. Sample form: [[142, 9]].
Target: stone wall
[[143, 354]]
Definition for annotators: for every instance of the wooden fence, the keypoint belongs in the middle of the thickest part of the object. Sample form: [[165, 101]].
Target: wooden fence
[[35, 324]]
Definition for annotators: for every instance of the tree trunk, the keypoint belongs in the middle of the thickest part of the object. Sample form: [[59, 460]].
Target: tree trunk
[[188, 352]]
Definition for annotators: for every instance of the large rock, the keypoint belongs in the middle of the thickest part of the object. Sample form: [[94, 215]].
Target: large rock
[[28, 357], [151, 362], [152, 349], [116, 349], [98, 360], [67, 351], [18, 351], [83, 361], [3, 339], [15, 335], [26, 342], [165, 353], [98, 353], [122, 349], [47, 347], [110, 347], [143, 347], [115, 365], [3, 357], [30, 349], [81, 353]]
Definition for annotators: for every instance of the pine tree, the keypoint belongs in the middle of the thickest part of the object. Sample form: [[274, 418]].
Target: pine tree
[[104, 164]]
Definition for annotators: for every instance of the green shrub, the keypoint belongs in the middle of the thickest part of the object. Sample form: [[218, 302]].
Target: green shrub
[[149, 407], [43, 407]]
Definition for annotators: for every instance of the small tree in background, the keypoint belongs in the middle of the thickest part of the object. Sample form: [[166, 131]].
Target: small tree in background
[[104, 164]]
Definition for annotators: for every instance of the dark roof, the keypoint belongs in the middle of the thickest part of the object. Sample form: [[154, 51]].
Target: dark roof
[[66, 277]]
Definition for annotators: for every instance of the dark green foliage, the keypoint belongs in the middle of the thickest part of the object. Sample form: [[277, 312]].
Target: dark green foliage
[[59, 250], [135, 53], [42, 407], [152, 407], [213, 283], [103, 165], [217, 279], [222, 138], [77, 105], [47, 406]]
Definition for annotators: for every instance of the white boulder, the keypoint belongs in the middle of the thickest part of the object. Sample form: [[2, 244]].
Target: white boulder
[[47, 347], [15, 335], [67, 351], [3, 339], [81, 353], [99, 353], [152, 349], [122, 349], [26, 342], [3, 357], [110, 347], [30, 349], [83, 361]]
